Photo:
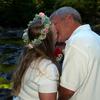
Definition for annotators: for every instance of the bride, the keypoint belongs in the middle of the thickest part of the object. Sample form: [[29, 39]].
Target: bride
[[37, 75]]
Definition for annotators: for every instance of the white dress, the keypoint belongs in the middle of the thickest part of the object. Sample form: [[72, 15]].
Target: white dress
[[41, 76]]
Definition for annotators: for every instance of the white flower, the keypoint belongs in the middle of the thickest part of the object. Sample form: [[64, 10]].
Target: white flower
[[30, 45], [30, 22], [42, 36], [25, 37], [36, 42], [59, 57]]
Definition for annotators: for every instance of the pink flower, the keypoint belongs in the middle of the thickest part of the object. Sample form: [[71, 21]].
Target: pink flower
[[41, 14], [46, 30]]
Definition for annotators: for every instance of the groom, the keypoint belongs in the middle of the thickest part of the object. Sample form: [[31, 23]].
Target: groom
[[80, 79]]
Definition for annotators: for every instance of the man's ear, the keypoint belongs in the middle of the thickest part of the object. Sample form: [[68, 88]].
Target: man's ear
[[69, 18]]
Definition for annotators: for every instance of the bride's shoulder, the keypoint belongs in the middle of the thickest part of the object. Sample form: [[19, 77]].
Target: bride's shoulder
[[49, 69], [47, 63]]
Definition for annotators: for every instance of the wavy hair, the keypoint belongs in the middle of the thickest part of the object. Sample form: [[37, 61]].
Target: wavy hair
[[43, 50]]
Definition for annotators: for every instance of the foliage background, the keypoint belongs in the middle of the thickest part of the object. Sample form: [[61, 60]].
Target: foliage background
[[17, 13], [14, 16]]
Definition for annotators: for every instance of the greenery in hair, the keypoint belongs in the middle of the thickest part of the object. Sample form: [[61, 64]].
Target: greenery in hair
[[43, 32]]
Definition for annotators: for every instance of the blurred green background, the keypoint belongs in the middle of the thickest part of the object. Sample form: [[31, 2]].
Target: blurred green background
[[14, 16], [17, 13]]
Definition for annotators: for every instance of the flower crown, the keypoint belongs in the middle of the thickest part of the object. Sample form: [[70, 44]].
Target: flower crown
[[43, 32]]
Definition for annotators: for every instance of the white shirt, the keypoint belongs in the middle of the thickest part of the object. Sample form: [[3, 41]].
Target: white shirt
[[42, 76], [81, 66]]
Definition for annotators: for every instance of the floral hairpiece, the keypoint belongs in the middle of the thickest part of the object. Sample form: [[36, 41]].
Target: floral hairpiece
[[46, 25]]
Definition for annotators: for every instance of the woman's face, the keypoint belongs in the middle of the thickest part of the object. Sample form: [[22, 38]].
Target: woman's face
[[54, 31]]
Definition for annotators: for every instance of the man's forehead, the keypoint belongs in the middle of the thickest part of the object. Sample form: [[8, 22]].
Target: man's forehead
[[55, 19]]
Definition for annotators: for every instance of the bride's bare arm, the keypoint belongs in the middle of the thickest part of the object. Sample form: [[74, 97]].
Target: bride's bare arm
[[48, 96]]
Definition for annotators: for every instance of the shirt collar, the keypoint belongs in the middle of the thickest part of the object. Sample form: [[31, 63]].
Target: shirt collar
[[82, 27]]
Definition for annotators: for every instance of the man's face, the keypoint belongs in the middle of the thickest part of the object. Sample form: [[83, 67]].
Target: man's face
[[60, 29]]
